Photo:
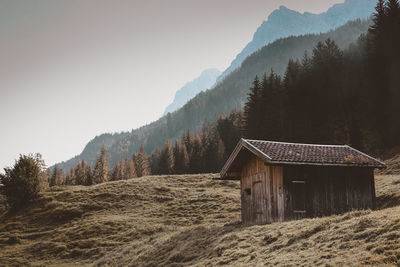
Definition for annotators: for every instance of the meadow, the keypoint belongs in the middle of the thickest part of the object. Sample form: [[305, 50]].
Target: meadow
[[190, 220]]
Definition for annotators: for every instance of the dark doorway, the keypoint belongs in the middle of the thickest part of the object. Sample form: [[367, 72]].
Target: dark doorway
[[299, 196]]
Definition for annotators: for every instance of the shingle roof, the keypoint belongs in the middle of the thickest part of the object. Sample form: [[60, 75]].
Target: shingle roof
[[312, 154], [304, 154]]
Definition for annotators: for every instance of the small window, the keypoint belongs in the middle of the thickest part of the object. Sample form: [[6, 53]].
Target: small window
[[248, 191]]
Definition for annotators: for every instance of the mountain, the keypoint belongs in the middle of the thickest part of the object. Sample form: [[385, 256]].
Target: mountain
[[228, 94], [191, 89], [284, 22]]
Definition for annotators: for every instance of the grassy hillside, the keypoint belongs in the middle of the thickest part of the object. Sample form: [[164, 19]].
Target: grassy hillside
[[190, 220]]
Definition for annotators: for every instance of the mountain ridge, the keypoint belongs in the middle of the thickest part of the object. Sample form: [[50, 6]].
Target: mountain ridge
[[293, 23], [206, 79]]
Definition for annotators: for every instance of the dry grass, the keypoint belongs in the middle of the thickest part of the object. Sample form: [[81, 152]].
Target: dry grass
[[387, 191], [393, 165], [191, 220]]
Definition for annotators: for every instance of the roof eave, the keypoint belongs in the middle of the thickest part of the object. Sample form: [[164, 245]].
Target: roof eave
[[242, 143], [231, 158], [325, 164]]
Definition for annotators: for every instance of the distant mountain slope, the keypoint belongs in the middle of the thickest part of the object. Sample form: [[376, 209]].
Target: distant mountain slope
[[191, 89], [228, 94], [285, 22]]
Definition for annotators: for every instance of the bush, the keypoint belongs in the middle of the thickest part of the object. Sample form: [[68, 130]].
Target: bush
[[20, 184]]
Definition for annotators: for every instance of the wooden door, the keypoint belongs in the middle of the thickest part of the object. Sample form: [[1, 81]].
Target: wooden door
[[299, 197], [258, 203]]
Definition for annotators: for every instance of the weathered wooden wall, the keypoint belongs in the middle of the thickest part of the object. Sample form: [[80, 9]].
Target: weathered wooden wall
[[262, 192], [274, 193], [320, 191]]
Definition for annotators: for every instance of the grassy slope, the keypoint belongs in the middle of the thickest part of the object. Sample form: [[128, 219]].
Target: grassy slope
[[191, 220]]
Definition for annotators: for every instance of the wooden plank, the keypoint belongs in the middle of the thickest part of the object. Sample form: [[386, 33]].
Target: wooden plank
[[267, 174], [373, 194], [281, 196]]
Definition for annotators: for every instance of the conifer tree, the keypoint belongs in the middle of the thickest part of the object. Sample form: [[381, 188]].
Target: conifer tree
[[252, 110], [119, 172], [270, 122], [166, 161], [155, 161], [101, 170], [181, 158], [187, 141], [45, 179], [130, 170], [45, 172], [142, 163], [116, 171], [229, 130], [89, 175], [70, 178], [80, 173], [289, 98], [20, 184], [57, 177], [195, 158]]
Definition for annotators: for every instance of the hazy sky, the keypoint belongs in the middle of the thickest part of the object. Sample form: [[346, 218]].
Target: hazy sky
[[71, 70]]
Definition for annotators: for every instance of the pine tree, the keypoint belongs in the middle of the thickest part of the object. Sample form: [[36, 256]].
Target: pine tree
[[70, 178], [195, 158], [45, 173], [166, 161], [270, 118], [142, 163], [290, 97], [57, 177], [80, 173], [101, 170], [45, 179], [119, 171], [187, 141], [89, 175], [130, 170], [378, 20], [181, 158], [229, 130], [252, 110], [116, 172], [20, 184], [154, 161]]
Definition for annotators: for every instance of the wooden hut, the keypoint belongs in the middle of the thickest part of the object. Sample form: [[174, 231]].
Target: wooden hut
[[285, 181]]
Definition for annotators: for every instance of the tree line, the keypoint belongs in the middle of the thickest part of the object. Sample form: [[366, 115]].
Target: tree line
[[136, 166], [201, 152]]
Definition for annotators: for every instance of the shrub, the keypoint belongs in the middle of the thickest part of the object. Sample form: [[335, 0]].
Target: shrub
[[20, 184]]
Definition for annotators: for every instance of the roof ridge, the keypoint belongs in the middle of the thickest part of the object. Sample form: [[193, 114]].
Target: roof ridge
[[256, 148], [289, 143]]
